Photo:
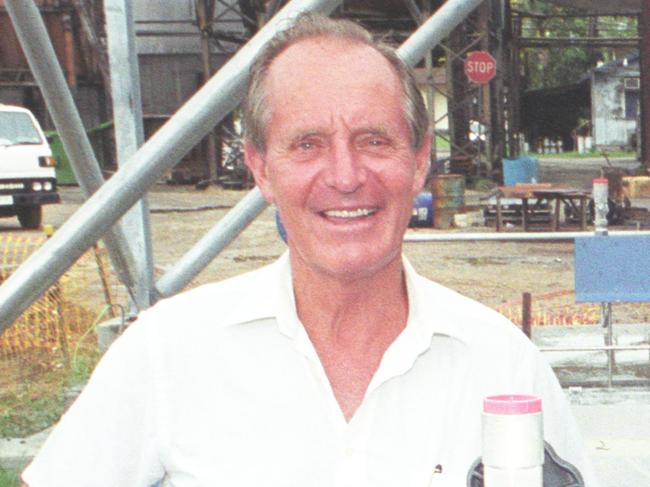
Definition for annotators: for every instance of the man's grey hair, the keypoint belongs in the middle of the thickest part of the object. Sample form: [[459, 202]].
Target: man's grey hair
[[308, 26]]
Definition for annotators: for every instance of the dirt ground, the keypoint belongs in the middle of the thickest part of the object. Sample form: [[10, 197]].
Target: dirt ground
[[491, 272], [488, 271]]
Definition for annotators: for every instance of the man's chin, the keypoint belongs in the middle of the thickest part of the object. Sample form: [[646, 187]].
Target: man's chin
[[349, 264]]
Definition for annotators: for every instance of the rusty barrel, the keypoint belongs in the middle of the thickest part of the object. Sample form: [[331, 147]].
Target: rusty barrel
[[448, 198]]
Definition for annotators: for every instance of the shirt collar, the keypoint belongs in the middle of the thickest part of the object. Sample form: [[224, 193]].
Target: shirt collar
[[430, 314], [432, 307]]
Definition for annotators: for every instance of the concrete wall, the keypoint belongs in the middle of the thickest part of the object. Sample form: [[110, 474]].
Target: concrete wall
[[170, 63], [168, 80], [175, 21], [178, 17]]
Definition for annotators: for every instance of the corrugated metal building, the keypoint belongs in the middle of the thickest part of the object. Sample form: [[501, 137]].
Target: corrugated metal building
[[169, 52]]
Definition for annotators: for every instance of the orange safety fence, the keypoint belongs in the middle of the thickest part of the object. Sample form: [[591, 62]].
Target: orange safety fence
[[55, 322], [561, 308]]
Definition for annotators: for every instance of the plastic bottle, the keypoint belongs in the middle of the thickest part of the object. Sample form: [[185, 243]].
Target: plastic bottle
[[513, 441]]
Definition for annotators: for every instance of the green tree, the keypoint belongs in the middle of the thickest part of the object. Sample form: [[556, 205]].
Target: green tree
[[549, 67]]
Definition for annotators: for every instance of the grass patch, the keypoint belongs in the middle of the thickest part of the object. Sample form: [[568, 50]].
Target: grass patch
[[34, 388], [9, 478], [441, 143], [586, 155]]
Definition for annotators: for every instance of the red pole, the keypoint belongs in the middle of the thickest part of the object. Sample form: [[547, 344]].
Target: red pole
[[525, 314]]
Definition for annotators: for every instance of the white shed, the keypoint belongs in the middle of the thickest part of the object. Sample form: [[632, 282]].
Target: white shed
[[615, 102]]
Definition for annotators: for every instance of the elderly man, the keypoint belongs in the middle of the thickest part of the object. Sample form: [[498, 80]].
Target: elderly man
[[337, 365]]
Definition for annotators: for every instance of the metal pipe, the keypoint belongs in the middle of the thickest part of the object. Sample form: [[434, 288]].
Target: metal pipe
[[435, 29], [218, 238], [239, 217], [164, 149], [606, 321], [45, 67], [507, 237], [414, 10], [271, 8], [604, 348], [129, 135], [213, 243]]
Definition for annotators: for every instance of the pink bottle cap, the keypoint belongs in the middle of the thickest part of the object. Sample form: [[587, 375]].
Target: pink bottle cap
[[512, 404], [600, 180]]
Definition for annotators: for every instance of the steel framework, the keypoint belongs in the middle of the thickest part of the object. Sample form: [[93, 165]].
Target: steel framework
[[165, 148]]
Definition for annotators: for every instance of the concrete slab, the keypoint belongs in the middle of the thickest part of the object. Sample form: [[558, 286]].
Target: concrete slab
[[576, 367], [614, 422], [616, 426], [15, 453]]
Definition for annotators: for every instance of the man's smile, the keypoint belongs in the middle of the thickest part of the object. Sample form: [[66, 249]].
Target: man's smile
[[349, 213]]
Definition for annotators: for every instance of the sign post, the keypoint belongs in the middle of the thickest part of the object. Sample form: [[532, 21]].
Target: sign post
[[480, 67]]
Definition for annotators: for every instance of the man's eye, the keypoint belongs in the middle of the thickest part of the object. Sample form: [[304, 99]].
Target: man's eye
[[373, 142], [306, 145]]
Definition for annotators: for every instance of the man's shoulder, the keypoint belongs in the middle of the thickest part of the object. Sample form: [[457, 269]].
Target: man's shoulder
[[470, 320], [237, 298]]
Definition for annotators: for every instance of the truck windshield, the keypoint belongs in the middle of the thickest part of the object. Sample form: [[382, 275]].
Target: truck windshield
[[17, 128]]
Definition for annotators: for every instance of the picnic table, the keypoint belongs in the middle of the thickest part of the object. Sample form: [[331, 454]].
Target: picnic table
[[533, 195]]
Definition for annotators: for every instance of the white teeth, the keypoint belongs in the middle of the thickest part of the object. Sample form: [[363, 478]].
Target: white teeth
[[349, 213]]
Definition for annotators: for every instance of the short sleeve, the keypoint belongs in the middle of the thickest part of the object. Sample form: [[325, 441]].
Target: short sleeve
[[109, 435]]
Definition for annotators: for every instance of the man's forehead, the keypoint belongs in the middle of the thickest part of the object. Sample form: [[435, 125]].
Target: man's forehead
[[328, 54]]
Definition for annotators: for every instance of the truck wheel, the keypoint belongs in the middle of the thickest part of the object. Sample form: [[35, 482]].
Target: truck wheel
[[30, 217]]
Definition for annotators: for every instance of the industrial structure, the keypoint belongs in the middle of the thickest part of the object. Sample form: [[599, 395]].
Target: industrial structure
[[189, 40], [211, 44]]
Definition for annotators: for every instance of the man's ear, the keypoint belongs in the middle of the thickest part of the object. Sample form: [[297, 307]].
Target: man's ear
[[257, 165], [422, 163]]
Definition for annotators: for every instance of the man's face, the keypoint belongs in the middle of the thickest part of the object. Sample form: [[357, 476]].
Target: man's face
[[339, 163]]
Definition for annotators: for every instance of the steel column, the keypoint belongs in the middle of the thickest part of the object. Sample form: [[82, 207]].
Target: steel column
[[204, 18], [435, 29], [129, 135], [45, 67], [161, 152], [217, 239], [644, 65]]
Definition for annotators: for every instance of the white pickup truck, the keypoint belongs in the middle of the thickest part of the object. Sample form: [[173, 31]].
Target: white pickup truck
[[27, 176]]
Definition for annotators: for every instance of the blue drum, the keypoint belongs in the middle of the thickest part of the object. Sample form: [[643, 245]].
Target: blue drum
[[422, 215]]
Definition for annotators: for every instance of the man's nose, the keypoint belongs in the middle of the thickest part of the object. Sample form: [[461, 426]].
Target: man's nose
[[346, 172]]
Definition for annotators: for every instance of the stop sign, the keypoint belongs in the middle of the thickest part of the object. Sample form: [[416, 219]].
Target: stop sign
[[480, 67]]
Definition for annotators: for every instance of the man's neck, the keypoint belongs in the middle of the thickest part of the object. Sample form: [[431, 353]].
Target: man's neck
[[351, 324]]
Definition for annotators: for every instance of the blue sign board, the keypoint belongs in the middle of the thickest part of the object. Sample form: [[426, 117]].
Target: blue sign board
[[611, 268]]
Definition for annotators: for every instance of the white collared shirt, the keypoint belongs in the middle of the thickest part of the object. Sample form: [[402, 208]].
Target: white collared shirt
[[221, 386]]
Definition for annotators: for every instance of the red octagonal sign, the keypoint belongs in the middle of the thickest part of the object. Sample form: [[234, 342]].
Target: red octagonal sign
[[480, 67]]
